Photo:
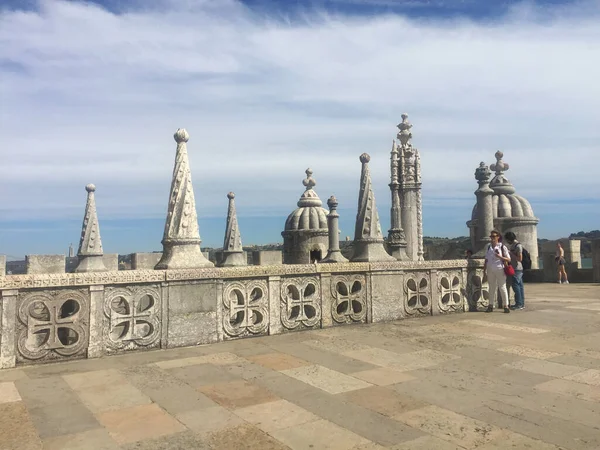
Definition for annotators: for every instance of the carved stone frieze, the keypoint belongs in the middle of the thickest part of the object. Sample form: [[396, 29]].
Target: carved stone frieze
[[134, 317], [417, 293], [477, 290], [349, 298], [245, 308], [450, 292], [300, 302], [81, 279], [420, 265], [52, 325]]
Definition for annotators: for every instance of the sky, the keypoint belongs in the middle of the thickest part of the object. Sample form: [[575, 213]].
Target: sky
[[92, 92]]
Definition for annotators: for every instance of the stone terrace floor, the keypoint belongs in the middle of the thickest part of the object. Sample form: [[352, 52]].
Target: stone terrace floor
[[525, 380]]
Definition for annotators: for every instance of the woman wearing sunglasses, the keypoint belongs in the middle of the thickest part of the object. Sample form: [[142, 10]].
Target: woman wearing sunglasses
[[496, 257]]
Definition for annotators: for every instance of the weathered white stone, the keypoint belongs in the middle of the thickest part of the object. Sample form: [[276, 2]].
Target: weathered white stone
[[596, 260], [267, 257], [181, 240], [192, 313], [8, 332], [2, 265], [39, 264], [144, 260], [111, 261]]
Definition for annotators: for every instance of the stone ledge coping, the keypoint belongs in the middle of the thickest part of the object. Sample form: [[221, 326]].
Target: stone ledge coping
[[156, 276]]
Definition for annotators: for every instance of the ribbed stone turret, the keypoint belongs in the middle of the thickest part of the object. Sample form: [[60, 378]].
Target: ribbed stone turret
[[181, 239], [368, 240], [305, 237], [90, 251], [499, 206]]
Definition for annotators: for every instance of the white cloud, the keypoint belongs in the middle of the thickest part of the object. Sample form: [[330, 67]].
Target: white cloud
[[93, 96]]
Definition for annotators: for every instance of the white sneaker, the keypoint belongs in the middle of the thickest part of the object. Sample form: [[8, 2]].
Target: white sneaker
[[567, 282], [559, 282]]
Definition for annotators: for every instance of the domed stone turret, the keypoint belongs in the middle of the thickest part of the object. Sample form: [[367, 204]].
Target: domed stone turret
[[510, 212], [305, 237]]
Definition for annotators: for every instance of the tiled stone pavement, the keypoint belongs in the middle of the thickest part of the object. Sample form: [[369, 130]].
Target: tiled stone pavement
[[525, 380]]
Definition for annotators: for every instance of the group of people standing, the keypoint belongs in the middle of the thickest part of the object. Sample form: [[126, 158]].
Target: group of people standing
[[497, 258]]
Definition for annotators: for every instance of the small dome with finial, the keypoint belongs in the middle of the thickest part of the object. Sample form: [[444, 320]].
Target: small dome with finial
[[505, 202], [181, 135], [310, 215], [365, 158], [90, 187], [231, 196]]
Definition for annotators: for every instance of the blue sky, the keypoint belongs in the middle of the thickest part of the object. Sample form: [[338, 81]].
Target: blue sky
[[92, 92]]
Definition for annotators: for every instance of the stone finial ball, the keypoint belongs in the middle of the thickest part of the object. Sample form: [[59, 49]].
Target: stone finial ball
[[499, 155], [231, 196], [332, 202], [365, 158], [90, 188], [404, 116], [181, 135]]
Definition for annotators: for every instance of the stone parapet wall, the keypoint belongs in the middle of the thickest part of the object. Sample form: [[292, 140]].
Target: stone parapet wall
[[596, 260], [59, 317]]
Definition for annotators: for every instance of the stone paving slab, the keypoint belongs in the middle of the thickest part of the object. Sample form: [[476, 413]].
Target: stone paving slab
[[525, 380]]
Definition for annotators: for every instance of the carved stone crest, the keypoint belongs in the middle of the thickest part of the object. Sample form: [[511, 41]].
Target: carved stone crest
[[134, 317], [349, 298], [246, 308], [52, 325], [451, 292], [300, 302], [417, 290]]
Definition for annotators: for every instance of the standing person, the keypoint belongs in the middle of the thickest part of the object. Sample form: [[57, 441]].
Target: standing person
[[516, 257], [560, 260], [496, 256]]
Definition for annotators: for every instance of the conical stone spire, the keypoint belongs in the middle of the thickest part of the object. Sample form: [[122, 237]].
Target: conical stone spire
[[90, 251], [368, 240], [181, 239], [233, 253]]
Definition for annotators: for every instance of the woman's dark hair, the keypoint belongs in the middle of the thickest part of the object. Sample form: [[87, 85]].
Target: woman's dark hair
[[510, 236]]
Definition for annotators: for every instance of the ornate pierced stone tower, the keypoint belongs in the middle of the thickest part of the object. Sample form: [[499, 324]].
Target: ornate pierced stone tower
[[498, 206], [405, 237], [181, 240], [90, 251], [306, 235], [368, 240], [233, 252]]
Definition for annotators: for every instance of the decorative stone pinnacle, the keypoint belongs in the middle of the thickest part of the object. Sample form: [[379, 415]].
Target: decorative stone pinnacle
[[332, 203], [309, 182], [500, 166], [90, 251], [181, 238], [368, 240], [233, 252], [181, 135], [482, 173], [309, 197], [404, 135]]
